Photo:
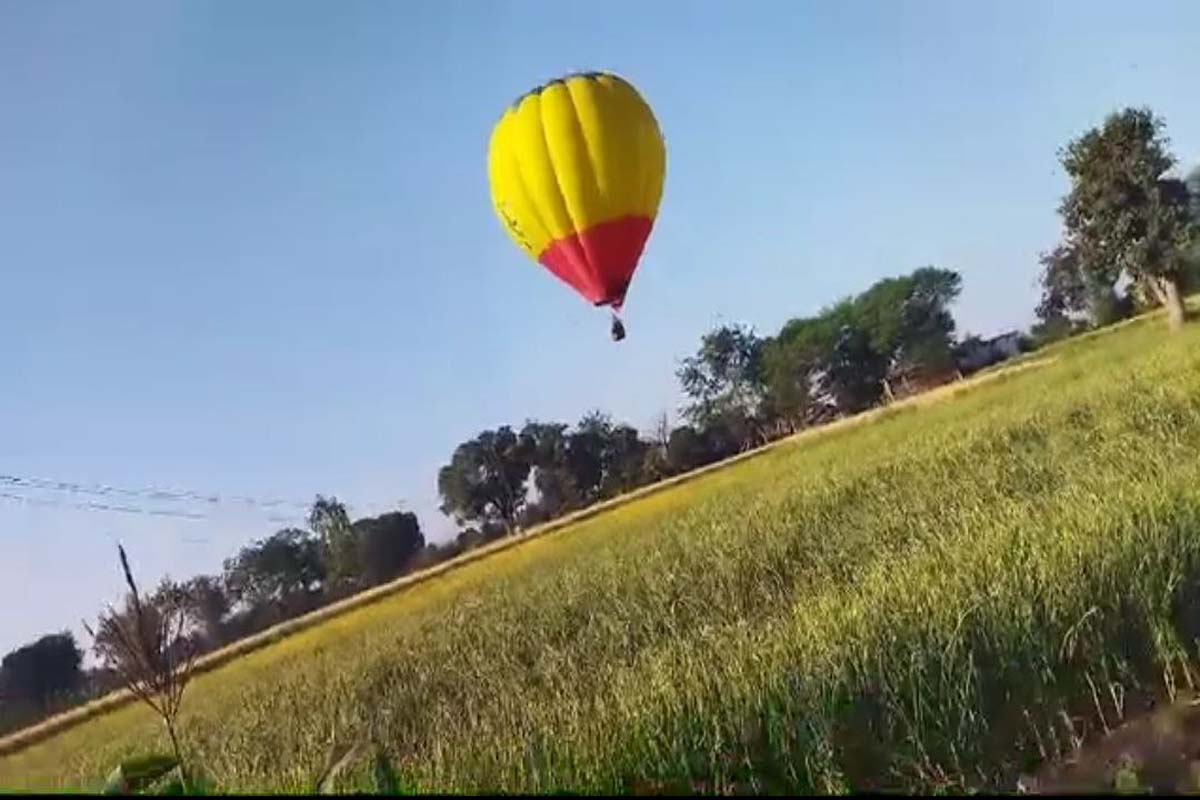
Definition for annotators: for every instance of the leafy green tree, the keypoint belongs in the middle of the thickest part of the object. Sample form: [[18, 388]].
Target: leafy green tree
[[624, 459], [557, 491], [854, 370], [278, 569], [486, 479], [725, 379], [210, 605], [1063, 283], [907, 326], [687, 449], [586, 454], [329, 520], [794, 364], [1192, 184], [846, 357], [924, 340], [387, 545], [655, 463], [605, 459], [1122, 215], [37, 673]]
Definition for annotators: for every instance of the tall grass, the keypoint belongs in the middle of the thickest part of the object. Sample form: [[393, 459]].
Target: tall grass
[[939, 599]]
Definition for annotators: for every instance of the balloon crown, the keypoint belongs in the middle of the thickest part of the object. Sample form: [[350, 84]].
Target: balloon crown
[[591, 75]]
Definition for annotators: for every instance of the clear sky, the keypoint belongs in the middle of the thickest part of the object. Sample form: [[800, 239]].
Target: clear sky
[[247, 248]]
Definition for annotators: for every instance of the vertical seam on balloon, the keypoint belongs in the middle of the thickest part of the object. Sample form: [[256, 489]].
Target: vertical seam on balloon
[[529, 201], [562, 196], [587, 145], [624, 92], [647, 148], [500, 158], [654, 141], [592, 171]]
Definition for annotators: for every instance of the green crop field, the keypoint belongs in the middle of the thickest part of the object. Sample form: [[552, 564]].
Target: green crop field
[[936, 598]]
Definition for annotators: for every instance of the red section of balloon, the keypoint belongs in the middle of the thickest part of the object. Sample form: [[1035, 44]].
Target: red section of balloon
[[599, 262]]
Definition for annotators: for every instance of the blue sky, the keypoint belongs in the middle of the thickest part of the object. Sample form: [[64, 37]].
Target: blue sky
[[247, 248]]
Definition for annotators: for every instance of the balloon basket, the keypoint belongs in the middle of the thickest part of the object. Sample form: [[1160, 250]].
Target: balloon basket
[[618, 328]]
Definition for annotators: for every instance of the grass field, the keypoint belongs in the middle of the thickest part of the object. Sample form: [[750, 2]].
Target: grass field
[[936, 599]]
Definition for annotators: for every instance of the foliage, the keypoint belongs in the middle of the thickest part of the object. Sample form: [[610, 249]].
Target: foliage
[[554, 481], [385, 545], [137, 775], [1192, 257], [846, 357], [37, 672], [275, 569], [686, 449], [1123, 215], [1053, 328], [485, 480], [724, 379], [210, 605], [329, 520], [387, 781], [908, 320], [605, 458], [488, 478]]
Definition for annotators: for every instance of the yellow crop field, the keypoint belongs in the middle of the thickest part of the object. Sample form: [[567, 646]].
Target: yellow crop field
[[938, 596]]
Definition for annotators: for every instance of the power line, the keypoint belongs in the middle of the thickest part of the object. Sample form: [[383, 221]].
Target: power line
[[93, 506], [125, 509], [151, 493]]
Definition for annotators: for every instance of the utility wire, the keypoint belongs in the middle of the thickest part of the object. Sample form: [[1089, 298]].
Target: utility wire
[[93, 506], [127, 509], [157, 494]]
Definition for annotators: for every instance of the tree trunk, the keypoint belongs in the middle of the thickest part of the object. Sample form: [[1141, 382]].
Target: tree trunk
[[1172, 300]]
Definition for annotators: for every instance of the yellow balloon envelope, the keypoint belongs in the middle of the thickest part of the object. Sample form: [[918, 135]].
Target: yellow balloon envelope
[[576, 168]]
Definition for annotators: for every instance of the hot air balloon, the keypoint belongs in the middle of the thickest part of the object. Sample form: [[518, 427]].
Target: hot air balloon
[[576, 168]]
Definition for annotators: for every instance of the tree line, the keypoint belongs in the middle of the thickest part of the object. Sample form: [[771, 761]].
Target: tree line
[[1131, 240], [742, 390]]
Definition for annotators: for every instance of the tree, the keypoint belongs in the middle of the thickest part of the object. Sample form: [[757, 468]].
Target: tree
[[557, 492], [486, 478], [846, 357], [605, 459], [624, 459], [387, 544], [1064, 284], [906, 330], [279, 569], [855, 371], [329, 520], [725, 380], [794, 365], [209, 605], [586, 454], [925, 339], [1122, 216], [39, 672], [661, 433], [1073, 298], [1192, 184], [686, 449]]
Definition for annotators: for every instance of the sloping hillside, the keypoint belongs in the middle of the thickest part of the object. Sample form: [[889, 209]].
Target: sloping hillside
[[918, 601]]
